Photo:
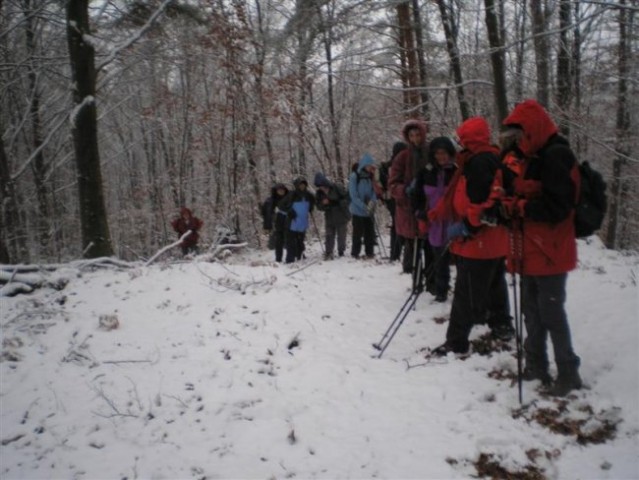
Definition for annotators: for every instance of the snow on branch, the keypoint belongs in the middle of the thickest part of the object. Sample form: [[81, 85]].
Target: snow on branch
[[135, 37], [167, 248]]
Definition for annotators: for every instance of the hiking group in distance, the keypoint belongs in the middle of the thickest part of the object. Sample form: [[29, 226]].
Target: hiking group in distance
[[485, 209]]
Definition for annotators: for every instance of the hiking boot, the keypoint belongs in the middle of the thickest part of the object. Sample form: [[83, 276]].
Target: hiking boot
[[441, 297], [503, 332], [530, 374], [328, 256], [565, 383], [445, 349]]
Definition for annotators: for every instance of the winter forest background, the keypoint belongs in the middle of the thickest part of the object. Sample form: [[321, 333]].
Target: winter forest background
[[115, 113]]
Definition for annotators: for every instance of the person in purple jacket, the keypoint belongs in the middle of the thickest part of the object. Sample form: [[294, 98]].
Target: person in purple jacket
[[432, 180]]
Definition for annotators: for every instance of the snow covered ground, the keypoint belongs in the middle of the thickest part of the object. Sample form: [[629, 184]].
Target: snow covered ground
[[248, 369]]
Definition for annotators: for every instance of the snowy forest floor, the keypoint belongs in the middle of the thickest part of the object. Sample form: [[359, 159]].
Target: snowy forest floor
[[243, 368]]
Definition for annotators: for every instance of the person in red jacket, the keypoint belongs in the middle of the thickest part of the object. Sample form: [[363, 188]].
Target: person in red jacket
[[544, 245], [184, 223], [481, 294], [402, 186]]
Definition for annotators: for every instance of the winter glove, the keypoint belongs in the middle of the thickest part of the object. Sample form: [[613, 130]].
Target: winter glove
[[370, 208], [491, 216], [292, 214], [411, 188], [457, 229], [421, 215]]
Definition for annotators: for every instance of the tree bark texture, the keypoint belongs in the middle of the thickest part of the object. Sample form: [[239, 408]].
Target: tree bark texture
[[497, 60], [96, 241]]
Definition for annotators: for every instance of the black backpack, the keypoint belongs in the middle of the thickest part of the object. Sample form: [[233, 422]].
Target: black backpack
[[592, 202]]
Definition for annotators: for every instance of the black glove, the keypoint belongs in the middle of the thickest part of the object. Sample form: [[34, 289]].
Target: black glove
[[292, 214]]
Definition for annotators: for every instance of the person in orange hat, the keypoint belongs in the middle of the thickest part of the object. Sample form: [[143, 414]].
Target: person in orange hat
[[481, 294], [545, 249]]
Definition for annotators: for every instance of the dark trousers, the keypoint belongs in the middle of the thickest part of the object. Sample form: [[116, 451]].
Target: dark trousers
[[441, 270], [543, 299], [481, 296], [339, 232], [423, 254], [396, 241], [363, 228], [294, 246], [279, 237]]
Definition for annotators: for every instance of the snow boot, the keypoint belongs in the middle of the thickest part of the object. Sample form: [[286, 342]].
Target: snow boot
[[503, 331], [530, 374], [567, 380]]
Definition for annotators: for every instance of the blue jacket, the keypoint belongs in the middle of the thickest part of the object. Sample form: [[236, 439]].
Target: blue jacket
[[360, 188], [298, 206]]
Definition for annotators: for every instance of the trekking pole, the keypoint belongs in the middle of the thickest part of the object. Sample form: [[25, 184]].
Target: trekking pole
[[379, 235], [516, 252], [398, 321], [318, 234], [409, 303]]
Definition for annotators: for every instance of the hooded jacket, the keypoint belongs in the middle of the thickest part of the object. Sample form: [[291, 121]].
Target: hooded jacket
[[549, 186], [403, 170], [360, 188], [472, 189], [182, 225], [336, 211], [298, 205], [272, 219], [432, 182]]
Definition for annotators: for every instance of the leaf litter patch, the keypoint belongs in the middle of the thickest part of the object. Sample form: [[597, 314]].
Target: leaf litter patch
[[577, 419]]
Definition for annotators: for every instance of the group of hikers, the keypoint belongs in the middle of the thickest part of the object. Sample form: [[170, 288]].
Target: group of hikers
[[485, 209]]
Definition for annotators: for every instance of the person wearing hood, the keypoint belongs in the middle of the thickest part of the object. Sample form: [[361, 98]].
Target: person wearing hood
[[396, 241], [432, 182], [298, 206], [274, 220], [402, 188], [362, 207], [332, 199], [544, 245], [480, 247], [187, 222]]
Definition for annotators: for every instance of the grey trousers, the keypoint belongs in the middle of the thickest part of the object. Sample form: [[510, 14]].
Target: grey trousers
[[543, 299], [338, 231]]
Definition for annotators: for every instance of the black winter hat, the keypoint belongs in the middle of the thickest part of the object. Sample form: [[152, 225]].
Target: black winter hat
[[438, 143]]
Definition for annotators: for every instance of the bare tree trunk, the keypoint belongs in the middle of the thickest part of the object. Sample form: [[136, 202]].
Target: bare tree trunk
[[327, 38], [520, 28], [410, 74], [623, 127], [423, 80], [542, 50], [497, 60], [9, 218], [575, 71], [93, 217], [38, 165], [564, 83], [450, 30]]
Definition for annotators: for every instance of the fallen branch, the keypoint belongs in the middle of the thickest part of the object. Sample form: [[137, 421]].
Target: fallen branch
[[303, 267], [167, 248], [126, 361], [12, 289]]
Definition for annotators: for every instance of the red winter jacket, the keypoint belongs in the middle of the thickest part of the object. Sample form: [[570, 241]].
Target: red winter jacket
[[549, 185], [477, 178], [185, 222], [404, 167]]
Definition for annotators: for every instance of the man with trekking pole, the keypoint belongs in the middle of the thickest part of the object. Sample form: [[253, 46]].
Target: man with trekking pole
[[544, 249]]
